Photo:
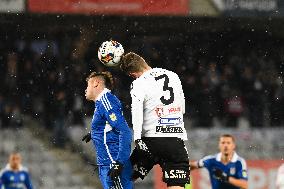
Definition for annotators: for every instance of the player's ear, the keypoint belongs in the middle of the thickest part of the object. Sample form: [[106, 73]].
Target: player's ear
[[95, 82], [133, 74]]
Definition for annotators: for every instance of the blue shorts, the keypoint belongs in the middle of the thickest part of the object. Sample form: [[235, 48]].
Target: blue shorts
[[125, 180]]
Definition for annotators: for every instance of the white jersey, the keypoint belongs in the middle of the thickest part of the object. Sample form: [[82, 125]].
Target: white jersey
[[158, 105], [280, 177]]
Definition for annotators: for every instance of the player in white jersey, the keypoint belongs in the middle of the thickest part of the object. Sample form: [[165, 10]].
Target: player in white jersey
[[158, 106], [280, 177]]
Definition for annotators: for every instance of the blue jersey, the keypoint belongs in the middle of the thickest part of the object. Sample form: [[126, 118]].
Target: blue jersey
[[237, 168], [110, 132], [10, 179]]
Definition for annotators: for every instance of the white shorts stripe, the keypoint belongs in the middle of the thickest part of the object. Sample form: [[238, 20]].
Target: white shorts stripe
[[117, 184], [120, 183]]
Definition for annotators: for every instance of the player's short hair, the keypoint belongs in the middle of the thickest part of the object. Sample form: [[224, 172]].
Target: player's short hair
[[228, 136], [106, 77], [132, 62]]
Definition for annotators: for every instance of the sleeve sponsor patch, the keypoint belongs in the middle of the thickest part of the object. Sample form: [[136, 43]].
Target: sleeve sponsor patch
[[244, 173], [112, 117]]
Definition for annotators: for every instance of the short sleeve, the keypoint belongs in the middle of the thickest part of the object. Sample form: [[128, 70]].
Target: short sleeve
[[242, 170], [205, 162]]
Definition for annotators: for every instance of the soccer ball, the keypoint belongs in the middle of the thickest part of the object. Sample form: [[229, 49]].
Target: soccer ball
[[110, 53]]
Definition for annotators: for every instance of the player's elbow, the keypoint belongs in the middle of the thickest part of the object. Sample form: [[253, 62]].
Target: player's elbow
[[193, 165]]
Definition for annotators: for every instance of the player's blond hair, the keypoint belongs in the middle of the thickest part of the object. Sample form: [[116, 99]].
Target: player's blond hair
[[106, 77], [131, 63]]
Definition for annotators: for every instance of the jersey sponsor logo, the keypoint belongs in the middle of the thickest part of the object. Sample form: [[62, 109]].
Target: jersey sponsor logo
[[232, 170], [112, 117], [175, 174], [169, 129], [174, 110], [170, 121]]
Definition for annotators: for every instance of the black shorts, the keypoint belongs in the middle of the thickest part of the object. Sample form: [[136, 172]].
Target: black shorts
[[170, 153]]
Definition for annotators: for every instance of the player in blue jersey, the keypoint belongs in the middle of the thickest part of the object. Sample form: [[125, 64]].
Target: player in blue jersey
[[110, 133], [227, 170], [14, 175]]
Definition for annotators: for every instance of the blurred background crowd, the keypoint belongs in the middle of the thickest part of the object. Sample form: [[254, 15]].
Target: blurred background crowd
[[225, 76]]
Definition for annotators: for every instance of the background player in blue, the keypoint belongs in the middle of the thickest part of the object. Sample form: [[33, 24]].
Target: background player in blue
[[110, 133], [14, 175], [227, 170]]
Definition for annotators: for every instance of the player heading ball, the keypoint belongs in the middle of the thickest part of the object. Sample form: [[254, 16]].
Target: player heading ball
[[158, 106]]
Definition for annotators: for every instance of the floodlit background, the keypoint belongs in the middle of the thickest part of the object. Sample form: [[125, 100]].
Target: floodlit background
[[228, 53]]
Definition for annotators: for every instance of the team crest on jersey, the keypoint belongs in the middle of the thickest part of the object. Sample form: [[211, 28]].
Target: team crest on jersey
[[113, 117], [22, 177], [232, 170], [159, 111], [12, 178]]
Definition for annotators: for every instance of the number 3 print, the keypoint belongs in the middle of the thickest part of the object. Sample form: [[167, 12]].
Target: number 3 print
[[166, 88]]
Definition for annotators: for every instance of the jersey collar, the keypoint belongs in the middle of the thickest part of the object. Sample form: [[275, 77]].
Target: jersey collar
[[233, 160], [8, 167], [146, 72], [102, 93]]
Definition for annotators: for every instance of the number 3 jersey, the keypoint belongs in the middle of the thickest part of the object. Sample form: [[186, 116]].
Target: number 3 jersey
[[158, 105]]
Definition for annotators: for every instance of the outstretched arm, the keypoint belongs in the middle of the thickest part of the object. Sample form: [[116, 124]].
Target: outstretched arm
[[193, 165]]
